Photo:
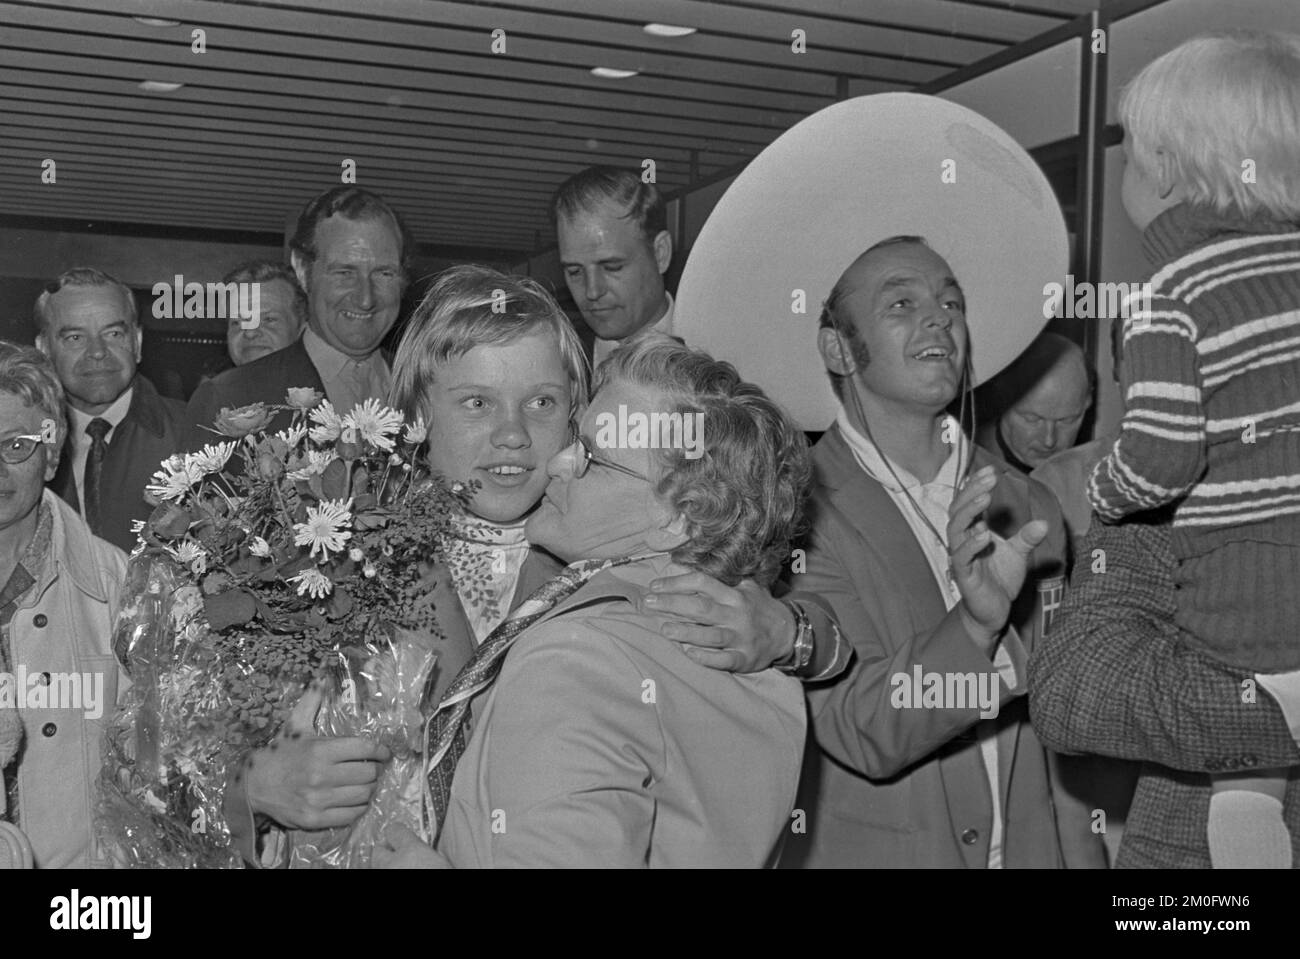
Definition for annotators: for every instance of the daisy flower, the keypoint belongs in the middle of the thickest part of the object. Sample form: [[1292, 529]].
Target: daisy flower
[[416, 432], [376, 424], [212, 459], [329, 423], [192, 555], [313, 583], [324, 529], [259, 547], [317, 460]]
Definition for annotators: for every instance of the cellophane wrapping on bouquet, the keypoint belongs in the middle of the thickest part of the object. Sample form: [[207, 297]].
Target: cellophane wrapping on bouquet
[[294, 595]]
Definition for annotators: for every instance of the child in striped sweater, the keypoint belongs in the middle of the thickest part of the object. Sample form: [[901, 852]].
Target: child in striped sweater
[[1211, 375]]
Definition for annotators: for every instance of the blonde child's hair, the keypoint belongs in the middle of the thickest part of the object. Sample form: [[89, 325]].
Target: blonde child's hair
[[1215, 102]]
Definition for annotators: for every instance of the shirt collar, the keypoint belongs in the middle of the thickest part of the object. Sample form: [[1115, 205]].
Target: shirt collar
[[1186, 226], [330, 362], [664, 325], [114, 415], [873, 461]]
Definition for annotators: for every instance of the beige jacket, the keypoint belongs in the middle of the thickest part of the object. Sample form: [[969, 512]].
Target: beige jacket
[[64, 627]]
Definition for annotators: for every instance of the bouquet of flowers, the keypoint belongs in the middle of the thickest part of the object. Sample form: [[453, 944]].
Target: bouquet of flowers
[[274, 562]]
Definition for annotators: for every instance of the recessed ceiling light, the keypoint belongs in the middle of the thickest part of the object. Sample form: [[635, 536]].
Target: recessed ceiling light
[[156, 22], [667, 30], [609, 73], [159, 86]]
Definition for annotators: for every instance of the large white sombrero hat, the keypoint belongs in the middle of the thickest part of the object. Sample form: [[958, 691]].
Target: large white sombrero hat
[[836, 183]]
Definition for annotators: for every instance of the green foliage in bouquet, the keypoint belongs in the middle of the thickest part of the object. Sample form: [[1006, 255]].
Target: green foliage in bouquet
[[271, 560]]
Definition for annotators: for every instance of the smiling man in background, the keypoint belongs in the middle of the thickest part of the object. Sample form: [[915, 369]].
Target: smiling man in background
[[350, 254], [281, 318], [614, 249]]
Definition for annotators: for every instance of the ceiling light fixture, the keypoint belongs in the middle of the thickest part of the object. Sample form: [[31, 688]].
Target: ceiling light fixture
[[667, 30], [159, 86], [156, 22], [609, 73]]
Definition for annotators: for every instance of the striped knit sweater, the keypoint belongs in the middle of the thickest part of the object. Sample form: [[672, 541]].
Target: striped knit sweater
[[1211, 378]]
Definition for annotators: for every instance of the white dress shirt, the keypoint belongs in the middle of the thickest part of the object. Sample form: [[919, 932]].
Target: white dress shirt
[[348, 381], [602, 348], [934, 498], [114, 415]]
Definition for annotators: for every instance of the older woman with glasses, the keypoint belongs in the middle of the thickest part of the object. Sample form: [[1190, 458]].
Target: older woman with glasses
[[597, 741], [58, 592]]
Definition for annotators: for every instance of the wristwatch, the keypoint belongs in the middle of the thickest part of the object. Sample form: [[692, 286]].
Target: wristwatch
[[801, 655]]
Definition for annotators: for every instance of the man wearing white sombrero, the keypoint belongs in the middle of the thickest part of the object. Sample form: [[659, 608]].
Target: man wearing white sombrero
[[943, 567]]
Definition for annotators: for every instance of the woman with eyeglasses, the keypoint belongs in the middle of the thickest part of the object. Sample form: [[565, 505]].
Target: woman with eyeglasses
[[58, 593], [493, 366], [596, 741]]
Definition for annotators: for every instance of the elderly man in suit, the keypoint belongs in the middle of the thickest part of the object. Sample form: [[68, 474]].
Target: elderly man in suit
[[1113, 679], [350, 252], [120, 428]]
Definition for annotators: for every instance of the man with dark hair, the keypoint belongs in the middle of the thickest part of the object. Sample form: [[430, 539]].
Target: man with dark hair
[[120, 429], [614, 249], [280, 319], [350, 252]]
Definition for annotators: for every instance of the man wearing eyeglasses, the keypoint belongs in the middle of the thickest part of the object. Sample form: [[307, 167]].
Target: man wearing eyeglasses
[[120, 427], [58, 592]]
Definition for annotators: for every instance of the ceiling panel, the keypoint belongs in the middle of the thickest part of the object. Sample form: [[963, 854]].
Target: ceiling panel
[[468, 143]]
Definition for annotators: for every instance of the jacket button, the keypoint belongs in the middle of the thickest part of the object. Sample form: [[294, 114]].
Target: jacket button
[[48, 730], [1250, 759], [39, 620], [970, 837]]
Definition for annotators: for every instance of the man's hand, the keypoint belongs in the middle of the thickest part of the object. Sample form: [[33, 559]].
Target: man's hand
[[304, 781], [400, 848], [740, 629], [988, 569]]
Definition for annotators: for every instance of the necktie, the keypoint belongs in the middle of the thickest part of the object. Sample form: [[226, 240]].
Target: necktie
[[444, 733], [97, 430]]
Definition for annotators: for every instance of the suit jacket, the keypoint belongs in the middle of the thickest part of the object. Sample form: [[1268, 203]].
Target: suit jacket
[[603, 744], [888, 786], [153, 429], [1113, 678], [265, 380]]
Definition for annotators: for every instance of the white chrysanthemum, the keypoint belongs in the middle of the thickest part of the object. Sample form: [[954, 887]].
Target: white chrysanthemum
[[192, 555], [375, 424], [292, 436], [174, 481], [317, 460], [212, 459], [329, 423], [259, 547], [324, 529], [416, 432], [355, 554], [312, 582]]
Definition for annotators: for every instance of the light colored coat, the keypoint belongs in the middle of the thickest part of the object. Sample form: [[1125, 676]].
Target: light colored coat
[[602, 744], [65, 625]]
